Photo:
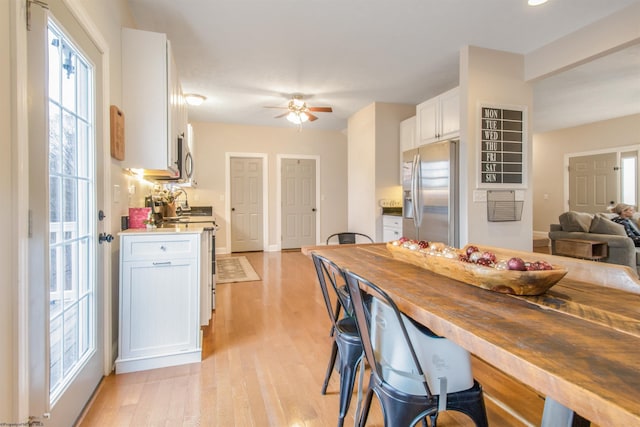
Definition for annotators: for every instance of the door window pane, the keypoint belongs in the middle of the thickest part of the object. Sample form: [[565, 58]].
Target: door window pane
[[72, 269], [629, 179]]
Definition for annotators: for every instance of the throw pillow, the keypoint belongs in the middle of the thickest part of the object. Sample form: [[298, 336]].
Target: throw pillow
[[576, 221], [603, 225]]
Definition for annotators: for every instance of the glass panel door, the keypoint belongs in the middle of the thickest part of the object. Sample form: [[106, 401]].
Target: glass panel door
[[72, 298], [66, 292]]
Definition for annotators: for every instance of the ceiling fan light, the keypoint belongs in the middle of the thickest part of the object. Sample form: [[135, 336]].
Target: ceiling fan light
[[194, 99], [298, 104], [294, 118], [303, 117], [536, 2]]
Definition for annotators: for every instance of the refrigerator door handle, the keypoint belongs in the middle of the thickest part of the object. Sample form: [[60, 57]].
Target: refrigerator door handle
[[414, 191]]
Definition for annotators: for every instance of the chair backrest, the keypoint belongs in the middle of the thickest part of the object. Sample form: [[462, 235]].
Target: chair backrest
[[331, 278], [439, 357], [348, 237], [407, 353], [386, 370]]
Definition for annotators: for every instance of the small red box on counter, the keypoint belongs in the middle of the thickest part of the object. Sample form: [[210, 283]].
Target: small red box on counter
[[137, 216]]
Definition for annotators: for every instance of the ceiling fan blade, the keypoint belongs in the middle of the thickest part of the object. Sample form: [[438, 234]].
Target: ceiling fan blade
[[311, 117], [281, 115], [321, 109], [275, 107]]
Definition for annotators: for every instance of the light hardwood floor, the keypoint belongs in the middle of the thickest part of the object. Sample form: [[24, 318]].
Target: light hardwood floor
[[265, 355]]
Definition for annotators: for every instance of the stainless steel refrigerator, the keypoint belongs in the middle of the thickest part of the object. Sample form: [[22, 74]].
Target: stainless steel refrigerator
[[430, 193]]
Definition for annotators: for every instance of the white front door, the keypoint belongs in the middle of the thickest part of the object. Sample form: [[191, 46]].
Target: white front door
[[65, 277], [298, 203], [246, 204], [593, 182]]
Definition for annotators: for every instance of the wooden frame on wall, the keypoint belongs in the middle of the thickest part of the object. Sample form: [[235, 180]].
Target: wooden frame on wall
[[502, 147]]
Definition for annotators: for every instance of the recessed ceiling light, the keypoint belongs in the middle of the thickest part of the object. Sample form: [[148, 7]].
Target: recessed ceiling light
[[194, 99], [536, 2]]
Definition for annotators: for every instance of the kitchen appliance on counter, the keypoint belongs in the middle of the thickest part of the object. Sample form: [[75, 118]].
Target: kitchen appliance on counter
[[430, 193]]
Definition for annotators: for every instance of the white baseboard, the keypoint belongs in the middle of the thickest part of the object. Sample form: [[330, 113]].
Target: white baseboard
[[540, 234]]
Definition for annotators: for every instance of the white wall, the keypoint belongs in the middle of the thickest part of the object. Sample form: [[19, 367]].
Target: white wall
[[374, 147], [213, 140], [497, 78], [362, 173]]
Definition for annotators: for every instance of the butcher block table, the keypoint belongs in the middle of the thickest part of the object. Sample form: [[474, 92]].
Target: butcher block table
[[578, 344]]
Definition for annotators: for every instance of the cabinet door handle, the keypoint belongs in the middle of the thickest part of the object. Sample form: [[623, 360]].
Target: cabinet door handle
[[162, 263]]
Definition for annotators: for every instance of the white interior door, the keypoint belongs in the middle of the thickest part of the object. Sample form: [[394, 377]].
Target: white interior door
[[593, 182], [65, 286], [246, 204], [298, 203]]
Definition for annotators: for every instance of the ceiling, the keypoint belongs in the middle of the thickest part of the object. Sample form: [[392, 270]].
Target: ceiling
[[244, 55]]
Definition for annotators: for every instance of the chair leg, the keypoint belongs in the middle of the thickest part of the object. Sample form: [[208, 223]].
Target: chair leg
[[349, 359], [332, 363], [365, 408]]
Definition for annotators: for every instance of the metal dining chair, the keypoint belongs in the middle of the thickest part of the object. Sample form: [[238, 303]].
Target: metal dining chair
[[348, 237], [346, 347], [414, 374]]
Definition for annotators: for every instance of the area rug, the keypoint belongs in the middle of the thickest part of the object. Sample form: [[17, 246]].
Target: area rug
[[235, 269]]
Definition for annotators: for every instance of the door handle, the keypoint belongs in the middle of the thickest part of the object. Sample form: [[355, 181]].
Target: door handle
[[104, 237], [313, 210], [233, 209]]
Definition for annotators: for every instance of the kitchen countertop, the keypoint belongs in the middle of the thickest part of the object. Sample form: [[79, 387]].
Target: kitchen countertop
[[167, 229]]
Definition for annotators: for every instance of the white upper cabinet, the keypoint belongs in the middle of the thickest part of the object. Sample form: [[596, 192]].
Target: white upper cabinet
[[407, 134], [439, 117], [407, 138], [152, 101]]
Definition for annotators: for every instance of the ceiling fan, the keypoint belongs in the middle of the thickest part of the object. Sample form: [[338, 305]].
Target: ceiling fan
[[299, 112]]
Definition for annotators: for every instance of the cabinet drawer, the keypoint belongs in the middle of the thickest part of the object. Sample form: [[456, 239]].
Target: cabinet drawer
[[159, 247], [392, 221]]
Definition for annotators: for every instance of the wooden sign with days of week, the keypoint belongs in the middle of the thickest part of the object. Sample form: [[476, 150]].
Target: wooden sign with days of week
[[502, 140], [117, 133]]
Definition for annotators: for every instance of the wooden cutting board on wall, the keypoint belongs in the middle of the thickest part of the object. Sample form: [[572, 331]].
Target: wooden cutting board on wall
[[117, 133]]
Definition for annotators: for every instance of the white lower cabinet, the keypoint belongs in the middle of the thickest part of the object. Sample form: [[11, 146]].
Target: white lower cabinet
[[391, 227], [159, 300]]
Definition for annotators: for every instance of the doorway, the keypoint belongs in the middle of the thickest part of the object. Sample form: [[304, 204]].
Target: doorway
[[247, 203], [298, 201], [66, 356], [593, 182], [598, 181]]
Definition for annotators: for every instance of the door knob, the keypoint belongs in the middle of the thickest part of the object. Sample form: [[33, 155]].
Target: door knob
[[313, 210], [233, 209], [104, 237]]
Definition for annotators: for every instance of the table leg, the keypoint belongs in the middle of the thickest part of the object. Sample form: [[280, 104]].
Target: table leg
[[558, 415]]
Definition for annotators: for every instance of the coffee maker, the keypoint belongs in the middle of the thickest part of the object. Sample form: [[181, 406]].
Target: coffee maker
[[156, 209]]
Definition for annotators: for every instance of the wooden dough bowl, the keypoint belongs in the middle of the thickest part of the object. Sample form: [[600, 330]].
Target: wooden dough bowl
[[504, 281]]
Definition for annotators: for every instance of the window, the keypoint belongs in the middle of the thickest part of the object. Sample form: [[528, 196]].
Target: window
[[629, 178]]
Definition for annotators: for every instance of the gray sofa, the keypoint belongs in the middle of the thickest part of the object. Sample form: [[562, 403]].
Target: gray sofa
[[598, 227]]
